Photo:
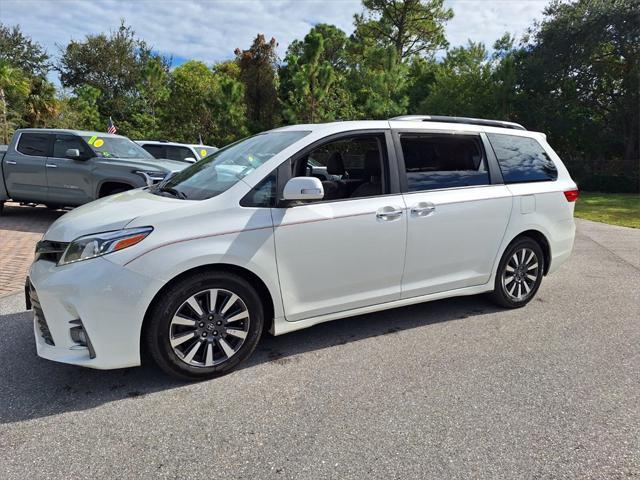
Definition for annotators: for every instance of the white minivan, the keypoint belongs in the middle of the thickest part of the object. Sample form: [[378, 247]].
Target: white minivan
[[297, 226]]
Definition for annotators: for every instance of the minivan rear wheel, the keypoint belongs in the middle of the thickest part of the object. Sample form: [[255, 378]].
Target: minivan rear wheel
[[205, 326], [519, 274]]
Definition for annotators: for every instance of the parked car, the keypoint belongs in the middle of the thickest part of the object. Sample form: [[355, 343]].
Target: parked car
[[70, 167], [192, 271], [184, 152]]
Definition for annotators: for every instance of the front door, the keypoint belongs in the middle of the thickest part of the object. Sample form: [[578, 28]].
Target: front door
[[70, 180], [346, 251], [457, 215], [25, 171]]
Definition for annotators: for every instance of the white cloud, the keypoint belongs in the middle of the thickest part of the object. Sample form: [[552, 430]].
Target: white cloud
[[210, 30], [487, 20]]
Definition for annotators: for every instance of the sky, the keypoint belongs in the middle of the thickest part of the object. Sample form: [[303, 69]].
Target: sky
[[210, 30]]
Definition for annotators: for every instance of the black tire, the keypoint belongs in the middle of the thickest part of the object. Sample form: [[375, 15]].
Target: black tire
[[1, 207], [113, 192], [160, 329], [515, 288]]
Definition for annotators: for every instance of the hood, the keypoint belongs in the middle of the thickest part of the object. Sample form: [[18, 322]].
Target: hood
[[146, 163], [110, 213]]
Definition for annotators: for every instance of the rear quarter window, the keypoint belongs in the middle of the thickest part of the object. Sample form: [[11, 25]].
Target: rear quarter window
[[522, 159]]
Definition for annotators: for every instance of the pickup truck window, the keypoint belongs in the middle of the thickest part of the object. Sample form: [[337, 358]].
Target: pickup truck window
[[34, 144], [116, 147], [65, 142]]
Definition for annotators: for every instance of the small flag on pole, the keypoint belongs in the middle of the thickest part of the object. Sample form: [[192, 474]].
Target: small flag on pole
[[111, 128]]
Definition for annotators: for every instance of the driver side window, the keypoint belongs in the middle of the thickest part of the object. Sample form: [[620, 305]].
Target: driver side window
[[65, 142], [348, 167]]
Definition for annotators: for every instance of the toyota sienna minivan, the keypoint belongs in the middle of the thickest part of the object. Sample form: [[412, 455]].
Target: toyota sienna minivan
[[296, 226]]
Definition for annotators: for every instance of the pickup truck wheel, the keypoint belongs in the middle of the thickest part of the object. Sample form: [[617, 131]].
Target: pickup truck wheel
[[204, 326]]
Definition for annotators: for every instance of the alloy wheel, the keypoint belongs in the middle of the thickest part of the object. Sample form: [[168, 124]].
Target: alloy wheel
[[521, 274], [209, 327]]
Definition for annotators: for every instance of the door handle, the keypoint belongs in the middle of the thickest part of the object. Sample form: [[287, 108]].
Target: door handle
[[51, 165], [389, 213], [10, 162], [423, 209]]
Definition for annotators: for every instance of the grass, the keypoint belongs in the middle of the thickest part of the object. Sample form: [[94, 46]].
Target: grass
[[614, 208]]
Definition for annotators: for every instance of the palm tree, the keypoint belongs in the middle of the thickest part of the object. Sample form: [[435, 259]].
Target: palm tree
[[12, 82], [41, 102]]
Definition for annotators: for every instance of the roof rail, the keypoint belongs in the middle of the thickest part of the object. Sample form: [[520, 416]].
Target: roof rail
[[467, 120]]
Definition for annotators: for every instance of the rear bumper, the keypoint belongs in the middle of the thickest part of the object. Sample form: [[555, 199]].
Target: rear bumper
[[561, 243], [110, 301]]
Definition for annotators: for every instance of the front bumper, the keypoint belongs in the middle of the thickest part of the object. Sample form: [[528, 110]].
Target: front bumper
[[108, 299]]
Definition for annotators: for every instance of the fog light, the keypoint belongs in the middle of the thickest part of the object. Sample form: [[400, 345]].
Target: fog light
[[80, 337]]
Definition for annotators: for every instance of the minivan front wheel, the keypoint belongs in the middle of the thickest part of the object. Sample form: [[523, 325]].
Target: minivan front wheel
[[519, 274], [205, 326]]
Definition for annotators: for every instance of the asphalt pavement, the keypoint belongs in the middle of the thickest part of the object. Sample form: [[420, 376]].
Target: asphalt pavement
[[450, 389]]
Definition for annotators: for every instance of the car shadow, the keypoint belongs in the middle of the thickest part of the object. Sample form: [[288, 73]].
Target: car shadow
[[31, 387], [25, 218]]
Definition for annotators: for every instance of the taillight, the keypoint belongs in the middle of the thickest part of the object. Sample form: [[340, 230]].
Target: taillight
[[572, 195]]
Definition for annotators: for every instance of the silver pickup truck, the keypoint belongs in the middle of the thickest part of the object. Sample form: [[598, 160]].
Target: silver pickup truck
[[66, 168]]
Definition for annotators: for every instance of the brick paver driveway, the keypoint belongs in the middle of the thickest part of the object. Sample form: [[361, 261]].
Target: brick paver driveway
[[20, 230]]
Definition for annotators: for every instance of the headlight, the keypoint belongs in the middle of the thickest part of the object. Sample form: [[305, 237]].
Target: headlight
[[151, 177], [98, 244]]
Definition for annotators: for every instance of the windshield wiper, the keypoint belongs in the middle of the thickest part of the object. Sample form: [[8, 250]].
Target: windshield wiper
[[174, 192]]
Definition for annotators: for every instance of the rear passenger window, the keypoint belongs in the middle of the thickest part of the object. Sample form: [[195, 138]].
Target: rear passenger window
[[35, 144], [522, 159], [443, 161]]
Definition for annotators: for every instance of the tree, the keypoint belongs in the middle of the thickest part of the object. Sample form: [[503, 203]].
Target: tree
[[334, 46], [229, 110], [504, 59], [411, 27], [40, 104], [379, 84], [579, 81], [152, 94], [421, 78], [463, 84], [258, 74], [21, 52], [14, 85], [311, 97], [204, 103], [115, 64], [80, 111]]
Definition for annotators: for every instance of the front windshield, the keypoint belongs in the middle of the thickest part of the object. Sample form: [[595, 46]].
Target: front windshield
[[116, 147], [204, 151], [221, 170]]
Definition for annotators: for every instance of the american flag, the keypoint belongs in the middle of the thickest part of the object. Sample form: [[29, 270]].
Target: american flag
[[111, 128]]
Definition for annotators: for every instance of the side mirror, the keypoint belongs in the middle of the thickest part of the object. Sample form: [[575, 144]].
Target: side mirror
[[190, 160], [72, 153], [303, 189]]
